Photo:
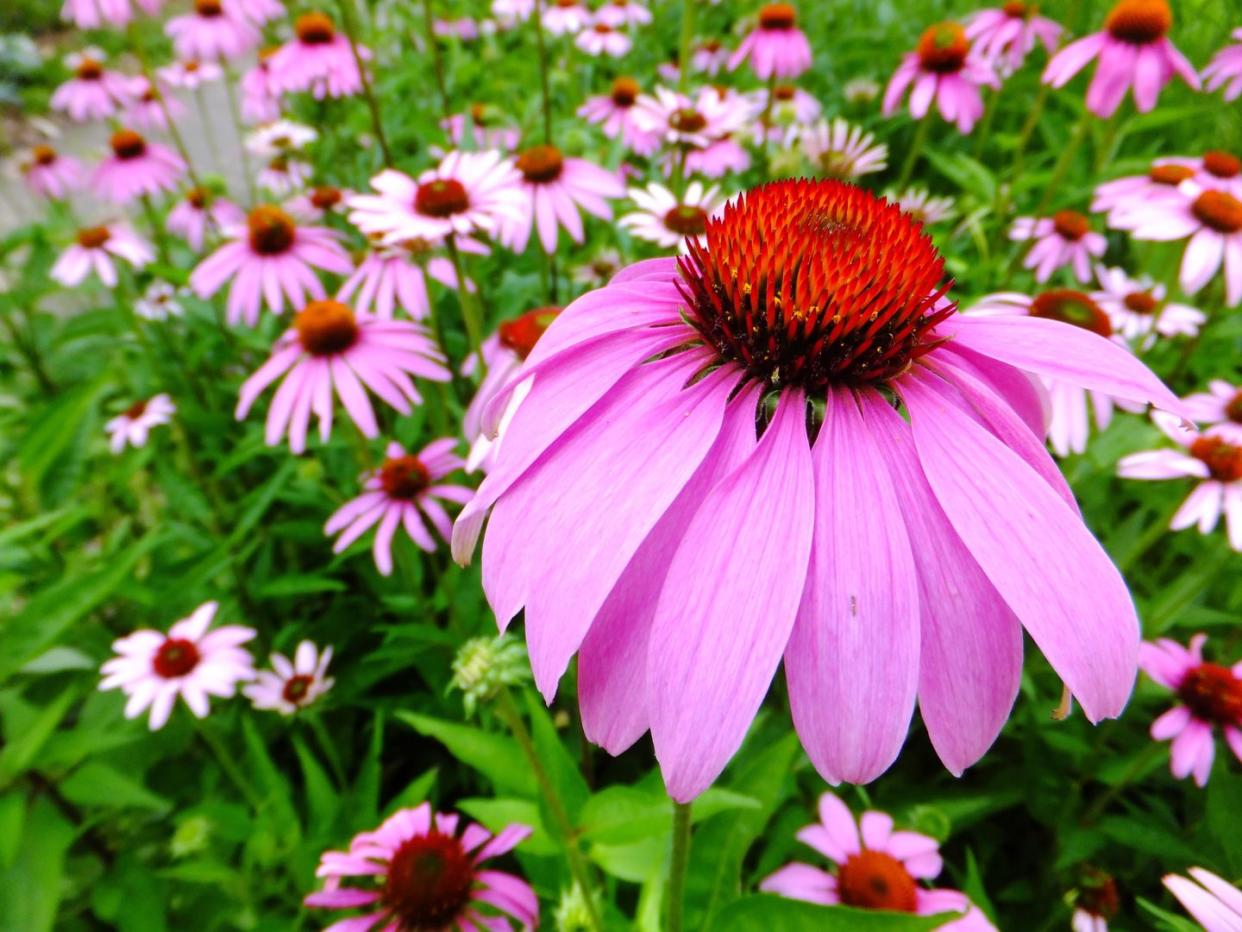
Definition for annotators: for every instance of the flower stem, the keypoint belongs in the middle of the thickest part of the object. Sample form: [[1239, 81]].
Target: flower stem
[[537, 19], [912, 154], [347, 21], [225, 759], [469, 310], [1063, 164], [679, 861], [1019, 152], [1140, 763], [687, 36], [437, 62], [985, 125], [507, 709]]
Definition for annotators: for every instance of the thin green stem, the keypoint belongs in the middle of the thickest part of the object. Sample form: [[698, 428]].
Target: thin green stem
[[985, 125], [29, 348], [469, 310], [507, 709], [677, 865], [687, 36], [912, 154], [226, 761], [327, 745], [537, 20], [347, 21], [157, 228], [1140, 764], [1062, 167], [437, 61]]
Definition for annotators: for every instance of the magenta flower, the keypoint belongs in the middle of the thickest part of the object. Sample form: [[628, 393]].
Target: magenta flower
[[190, 75], [94, 248], [710, 58], [1214, 457], [153, 669], [1220, 407], [617, 113], [95, 14], [404, 491], [49, 174], [318, 60], [131, 426], [554, 188], [136, 168], [1005, 35], [418, 873], [260, 98], [942, 69], [267, 260], [393, 277], [840, 150], [509, 13], [1139, 309], [152, 107], [331, 349], [1215, 904], [1225, 69], [1123, 196], [776, 47], [1210, 696], [485, 133], [619, 13], [602, 39], [200, 211], [1134, 53], [1065, 238], [93, 93], [876, 868], [215, 31], [565, 17], [643, 523], [291, 686]]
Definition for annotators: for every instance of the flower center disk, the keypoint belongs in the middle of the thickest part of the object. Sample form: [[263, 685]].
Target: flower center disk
[[541, 164], [522, 333], [428, 882], [296, 689], [93, 237], [126, 144], [175, 657], [326, 328], [442, 197], [314, 29], [271, 230], [404, 477], [1220, 211], [44, 155], [943, 48], [1221, 164], [1072, 307], [1172, 175], [1223, 459], [1141, 302], [208, 8], [1213, 694], [1139, 22], [624, 92], [874, 880], [686, 220], [778, 16], [814, 283], [1233, 408], [325, 198], [89, 70], [1071, 225]]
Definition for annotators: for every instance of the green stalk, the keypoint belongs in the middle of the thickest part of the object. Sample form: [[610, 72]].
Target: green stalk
[[347, 21], [912, 154], [469, 311], [687, 36], [537, 19], [1019, 153], [228, 765], [437, 62], [678, 863]]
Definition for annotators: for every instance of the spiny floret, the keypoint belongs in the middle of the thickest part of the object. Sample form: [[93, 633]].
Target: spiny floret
[[813, 283]]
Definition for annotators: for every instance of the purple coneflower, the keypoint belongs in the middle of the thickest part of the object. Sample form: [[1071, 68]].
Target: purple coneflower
[[1064, 239], [292, 685], [942, 69], [131, 426], [555, 187], [776, 47], [50, 174], [94, 248]]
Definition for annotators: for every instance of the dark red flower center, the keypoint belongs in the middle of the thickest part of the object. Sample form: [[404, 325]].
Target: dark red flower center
[[541, 164], [784, 92], [297, 688], [1070, 224], [404, 477], [813, 283], [1213, 694], [1221, 164], [326, 328], [442, 197], [135, 410], [1141, 302], [943, 48], [711, 46], [874, 880], [325, 198], [1016, 9], [624, 92], [1139, 22], [208, 8], [1099, 896], [566, 4], [175, 657], [602, 28], [1172, 175], [126, 144], [93, 237], [314, 28], [1223, 459], [1220, 211], [687, 220], [44, 155], [88, 70], [1072, 307], [149, 96], [687, 120], [272, 231], [190, 66], [1233, 409], [198, 198], [522, 333], [778, 16], [429, 882]]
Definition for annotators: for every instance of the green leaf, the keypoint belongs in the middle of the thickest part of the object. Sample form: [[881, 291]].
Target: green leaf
[[322, 800], [31, 889], [53, 428], [763, 913], [562, 769], [12, 816], [495, 756], [965, 172], [21, 748], [297, 584], [98, 784]]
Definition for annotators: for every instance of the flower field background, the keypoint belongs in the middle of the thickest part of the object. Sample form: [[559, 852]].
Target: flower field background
[[282, 286]]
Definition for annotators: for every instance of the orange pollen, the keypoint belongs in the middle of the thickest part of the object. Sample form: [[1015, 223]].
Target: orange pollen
[[442, 197], [687, 120], [208, 8], [1099, 897], [272, 231], [296, 689], [1221, 164], [93, 237], [176, 657], [1139, 22], [1172, 175], [1220, 211], [1213, 694], [314, 29], [711, 45], [1223, 459], [198, 198], [190, 67], [943, 48], [784, 92], [776, 16], [602, 28], [814, 283], [149, 96], [326, 328], [566, 4], [541, 164], [1019, 10], [88, 70], [874, 880], [325, 198], [429, 882], [625, 91], [522, 333], [135, 410], [1072, 307], [686, 220], [1233, 409], [44, 155], [126, 144], [1141, 302], [404, 477], [1070, 224]]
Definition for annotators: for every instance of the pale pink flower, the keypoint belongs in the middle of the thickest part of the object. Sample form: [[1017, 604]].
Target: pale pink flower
[[1122, 196], [467, 192], [841, 150], [1064, 239], [511, 12], [1220, 407], [564, 17], [318, 60], [922, 205], [260, 101], [859, 91], [267, 259], [291, 686], [715, 160], [1134, 53], [669, 221], [405, 491], [876, 868], [1221, 170], [555, 187], [619, 13], [710, 58], [212, 32], [1005, 35], [136, 168], [776, 46], [600, 38], [152, 107], [1211, 697], [331, 349], [314, 204], [618, 114], [642, 523], [464, 28], [1215, 458], [693, 122], [484, 133], [279, 137], [201, 211], [257, 11], [283, 175], [50, 174], [131, 426], [1215, 904], [1225, 69], [160, 301], [153, 669], [395, 276], [190, 75], [93, 250], [94, 14], [399, 892], [942, 68], [1140, 311], [94, 92]]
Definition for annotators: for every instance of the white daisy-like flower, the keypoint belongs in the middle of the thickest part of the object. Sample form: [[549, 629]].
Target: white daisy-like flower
[[160, 301], [665, 220], [280, 137], [131, 426], [1140, 310], [839, 149]]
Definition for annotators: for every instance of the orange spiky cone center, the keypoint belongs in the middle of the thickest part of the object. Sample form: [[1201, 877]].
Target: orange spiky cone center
[[1213, 694], [875, 880], [1139, 22]]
